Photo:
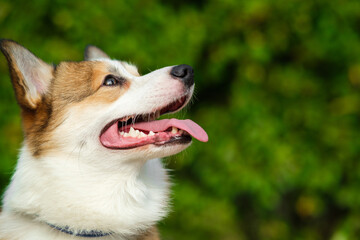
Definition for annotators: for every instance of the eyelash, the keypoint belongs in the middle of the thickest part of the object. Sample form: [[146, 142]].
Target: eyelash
[[117, 81]]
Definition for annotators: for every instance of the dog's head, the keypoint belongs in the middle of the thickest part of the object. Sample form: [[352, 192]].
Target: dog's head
[[99, 108]]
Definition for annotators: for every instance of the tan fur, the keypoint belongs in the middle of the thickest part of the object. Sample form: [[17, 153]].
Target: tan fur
[[104, 95], [74, 83]]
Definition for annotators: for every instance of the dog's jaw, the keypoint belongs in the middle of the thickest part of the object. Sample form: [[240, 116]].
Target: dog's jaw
[[72, 193]]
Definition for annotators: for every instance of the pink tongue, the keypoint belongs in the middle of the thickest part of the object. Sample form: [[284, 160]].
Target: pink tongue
[[187, 125]]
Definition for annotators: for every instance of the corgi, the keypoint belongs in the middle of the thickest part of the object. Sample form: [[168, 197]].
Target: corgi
[[89, 165]]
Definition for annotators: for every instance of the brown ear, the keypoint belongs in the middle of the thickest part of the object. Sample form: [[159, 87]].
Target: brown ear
[[30, 76], [93, 53]]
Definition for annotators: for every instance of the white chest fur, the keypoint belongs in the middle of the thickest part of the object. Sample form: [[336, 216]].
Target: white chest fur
[[126, 199]]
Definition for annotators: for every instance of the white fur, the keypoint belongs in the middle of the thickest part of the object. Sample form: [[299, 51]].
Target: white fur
[[67, 191], [80, 183]]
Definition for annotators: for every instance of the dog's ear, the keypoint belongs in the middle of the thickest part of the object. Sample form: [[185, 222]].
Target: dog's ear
[[30, 76], [92, 53]]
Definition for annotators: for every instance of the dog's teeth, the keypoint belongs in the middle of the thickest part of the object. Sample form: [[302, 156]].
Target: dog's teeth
[[137, 133], [174, 130], [132, 130]]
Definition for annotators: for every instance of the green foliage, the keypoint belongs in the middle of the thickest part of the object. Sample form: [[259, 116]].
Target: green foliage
[[277, 91]]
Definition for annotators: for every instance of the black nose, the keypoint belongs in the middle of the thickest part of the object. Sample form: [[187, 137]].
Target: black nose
[[185, 73]]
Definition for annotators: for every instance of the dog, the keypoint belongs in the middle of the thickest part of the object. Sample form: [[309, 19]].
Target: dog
[[89, 165]]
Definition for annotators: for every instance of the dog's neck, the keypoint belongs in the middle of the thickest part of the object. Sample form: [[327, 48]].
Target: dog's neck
[[127, 199]]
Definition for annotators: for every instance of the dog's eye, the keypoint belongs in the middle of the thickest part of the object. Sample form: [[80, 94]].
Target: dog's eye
[[111, 80]]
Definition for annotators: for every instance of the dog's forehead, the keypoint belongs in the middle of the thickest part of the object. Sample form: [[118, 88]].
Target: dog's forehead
[[121, 67]]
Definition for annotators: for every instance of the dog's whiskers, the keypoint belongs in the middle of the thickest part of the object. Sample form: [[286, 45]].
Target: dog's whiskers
[[134, 119]]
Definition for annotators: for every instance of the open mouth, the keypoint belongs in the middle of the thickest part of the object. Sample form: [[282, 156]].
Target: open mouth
[[143, 129]]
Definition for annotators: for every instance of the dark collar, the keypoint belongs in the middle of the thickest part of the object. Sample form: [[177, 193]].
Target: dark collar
[[83, 233]]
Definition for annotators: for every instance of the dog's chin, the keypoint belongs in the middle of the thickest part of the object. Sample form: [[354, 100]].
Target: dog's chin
[[151, 151], [166, 150]]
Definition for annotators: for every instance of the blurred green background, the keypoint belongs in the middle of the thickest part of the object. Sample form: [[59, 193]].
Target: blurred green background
[[277, 89]]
